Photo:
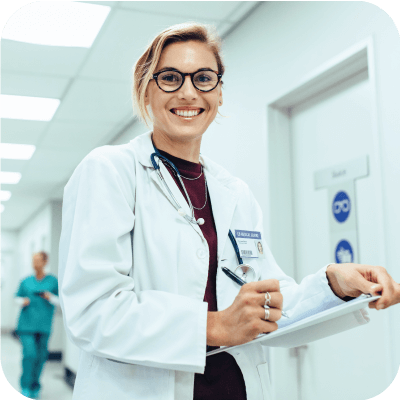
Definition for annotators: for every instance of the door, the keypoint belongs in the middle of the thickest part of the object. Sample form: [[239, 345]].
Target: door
[[329, 129]]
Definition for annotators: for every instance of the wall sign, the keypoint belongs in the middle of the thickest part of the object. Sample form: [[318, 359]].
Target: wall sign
[[340, 182]]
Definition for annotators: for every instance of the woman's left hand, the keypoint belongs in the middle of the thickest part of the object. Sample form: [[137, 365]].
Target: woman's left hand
[[45, 295], [354, 279]]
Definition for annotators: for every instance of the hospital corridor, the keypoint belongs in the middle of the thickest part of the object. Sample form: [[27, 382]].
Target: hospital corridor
[[200, 200]]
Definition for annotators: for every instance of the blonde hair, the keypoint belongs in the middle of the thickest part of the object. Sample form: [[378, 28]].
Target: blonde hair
[[144, 68]]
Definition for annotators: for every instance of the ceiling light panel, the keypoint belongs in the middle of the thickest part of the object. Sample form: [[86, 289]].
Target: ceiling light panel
[[13, 151], [9, 177], [28, 108], [5, 195], [70, 24]]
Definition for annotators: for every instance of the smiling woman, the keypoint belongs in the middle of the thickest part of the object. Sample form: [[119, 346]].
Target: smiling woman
[[150, 62]]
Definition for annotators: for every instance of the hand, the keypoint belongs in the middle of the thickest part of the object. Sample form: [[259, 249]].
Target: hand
[[45, 295], [355, 279], [26, 302], [244, 319]]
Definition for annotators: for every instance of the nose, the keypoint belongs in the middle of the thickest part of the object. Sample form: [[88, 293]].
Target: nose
[[187, 90]]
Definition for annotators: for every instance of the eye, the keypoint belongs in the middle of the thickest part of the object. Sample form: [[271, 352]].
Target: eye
[[203, 78]]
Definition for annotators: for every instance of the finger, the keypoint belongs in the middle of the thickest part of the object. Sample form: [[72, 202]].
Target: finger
[[267, 326], [276, 299], [274, 314], [384, 287]]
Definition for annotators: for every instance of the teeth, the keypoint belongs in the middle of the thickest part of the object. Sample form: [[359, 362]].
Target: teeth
[[190, 113]]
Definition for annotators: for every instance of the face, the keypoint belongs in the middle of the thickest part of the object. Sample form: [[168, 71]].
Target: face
[[38, 263], [185, 57]]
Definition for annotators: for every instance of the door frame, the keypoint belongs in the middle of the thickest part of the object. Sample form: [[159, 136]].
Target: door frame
[[356, 59]]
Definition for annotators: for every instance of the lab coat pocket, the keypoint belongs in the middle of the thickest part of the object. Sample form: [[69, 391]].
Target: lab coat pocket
[[263, 373]]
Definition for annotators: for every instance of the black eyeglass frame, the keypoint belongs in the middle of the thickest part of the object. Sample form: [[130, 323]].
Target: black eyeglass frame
[[184, 75]]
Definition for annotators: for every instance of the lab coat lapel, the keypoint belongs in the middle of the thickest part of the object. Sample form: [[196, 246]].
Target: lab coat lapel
[[223, 203], [173, 187]]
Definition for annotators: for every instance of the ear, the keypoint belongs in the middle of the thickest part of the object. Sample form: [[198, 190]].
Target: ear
[[220, 100], [146, 98]]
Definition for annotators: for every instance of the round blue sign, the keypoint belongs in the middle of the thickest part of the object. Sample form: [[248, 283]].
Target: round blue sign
[[344, 252], [341, 206]]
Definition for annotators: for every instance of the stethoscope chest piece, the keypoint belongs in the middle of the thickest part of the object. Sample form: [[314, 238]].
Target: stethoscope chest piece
[[246, 272]]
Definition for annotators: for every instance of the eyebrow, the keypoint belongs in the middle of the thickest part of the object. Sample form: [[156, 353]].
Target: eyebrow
[[174, 69]]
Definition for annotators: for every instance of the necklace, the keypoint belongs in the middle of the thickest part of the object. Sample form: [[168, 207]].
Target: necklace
[[192, 179]]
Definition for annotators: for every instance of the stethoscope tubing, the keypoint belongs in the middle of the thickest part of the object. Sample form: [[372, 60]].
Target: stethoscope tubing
[[177, 205]]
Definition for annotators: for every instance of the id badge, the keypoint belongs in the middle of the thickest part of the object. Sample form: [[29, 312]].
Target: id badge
[[249, 243]]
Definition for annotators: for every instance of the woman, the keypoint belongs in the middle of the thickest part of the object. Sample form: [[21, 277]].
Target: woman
[[140, 273], [38, 296]]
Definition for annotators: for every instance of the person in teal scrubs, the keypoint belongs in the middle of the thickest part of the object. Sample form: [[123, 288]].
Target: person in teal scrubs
[[38, 296]]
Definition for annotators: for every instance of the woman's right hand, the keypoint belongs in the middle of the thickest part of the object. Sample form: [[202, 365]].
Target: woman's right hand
[[244, 320], [26, 302]]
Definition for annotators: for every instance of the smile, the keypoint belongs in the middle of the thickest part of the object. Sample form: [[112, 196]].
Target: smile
[[187, 113]]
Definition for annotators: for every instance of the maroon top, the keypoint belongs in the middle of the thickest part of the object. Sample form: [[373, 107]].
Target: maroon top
[[222, 378]]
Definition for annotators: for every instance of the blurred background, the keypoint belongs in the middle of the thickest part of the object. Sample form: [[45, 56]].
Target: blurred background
[[310, 90]]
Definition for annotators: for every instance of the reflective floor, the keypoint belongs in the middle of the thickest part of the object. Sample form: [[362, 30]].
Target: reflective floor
[[52, 379]]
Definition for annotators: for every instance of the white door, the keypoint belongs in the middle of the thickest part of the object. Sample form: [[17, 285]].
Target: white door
[[330, 129]]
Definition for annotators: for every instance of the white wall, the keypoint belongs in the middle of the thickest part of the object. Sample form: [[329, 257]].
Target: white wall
[[9, 280]]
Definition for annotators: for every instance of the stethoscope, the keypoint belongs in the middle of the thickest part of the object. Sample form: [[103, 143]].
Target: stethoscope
[[244, 271]]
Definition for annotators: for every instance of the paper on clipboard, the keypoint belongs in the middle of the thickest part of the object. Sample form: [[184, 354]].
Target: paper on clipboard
[[323, 324]]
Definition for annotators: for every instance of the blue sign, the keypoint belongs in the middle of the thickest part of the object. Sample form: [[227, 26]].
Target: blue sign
[[247, 234], [341, 206], [344, 252]]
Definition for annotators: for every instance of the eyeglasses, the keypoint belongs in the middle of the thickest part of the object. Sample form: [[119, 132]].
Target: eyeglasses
[[172, 80]]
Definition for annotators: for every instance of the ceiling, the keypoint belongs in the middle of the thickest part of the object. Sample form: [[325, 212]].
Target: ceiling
[[94, 87]]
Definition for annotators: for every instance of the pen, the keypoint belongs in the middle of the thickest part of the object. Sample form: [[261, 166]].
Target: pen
[[241, 282]]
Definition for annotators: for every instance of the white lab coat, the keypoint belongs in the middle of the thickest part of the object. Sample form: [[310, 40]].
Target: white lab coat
[[135, 308]]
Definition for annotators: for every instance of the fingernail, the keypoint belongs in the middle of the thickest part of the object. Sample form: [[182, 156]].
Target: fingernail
[[379, 307], [374, 287]]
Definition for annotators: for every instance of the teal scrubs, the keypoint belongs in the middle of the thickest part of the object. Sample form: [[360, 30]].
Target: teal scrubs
[[34, 326], [38, 315]]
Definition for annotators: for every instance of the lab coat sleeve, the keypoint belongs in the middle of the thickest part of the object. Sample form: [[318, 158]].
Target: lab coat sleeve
[[311, 296], [103, 315]]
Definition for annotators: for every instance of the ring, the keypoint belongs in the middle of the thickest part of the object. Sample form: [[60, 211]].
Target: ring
[[266, 313], [267, 299]]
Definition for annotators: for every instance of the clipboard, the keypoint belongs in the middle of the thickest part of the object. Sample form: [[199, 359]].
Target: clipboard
[[318, 326]]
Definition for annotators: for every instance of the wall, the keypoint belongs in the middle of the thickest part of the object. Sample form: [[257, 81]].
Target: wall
[[9, 280]]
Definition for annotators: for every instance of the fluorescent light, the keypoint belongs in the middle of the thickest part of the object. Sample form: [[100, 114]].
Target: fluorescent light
[[71, 24], [9, 177], [4, 195], [1, 208], [25, 107], [16, 151]]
